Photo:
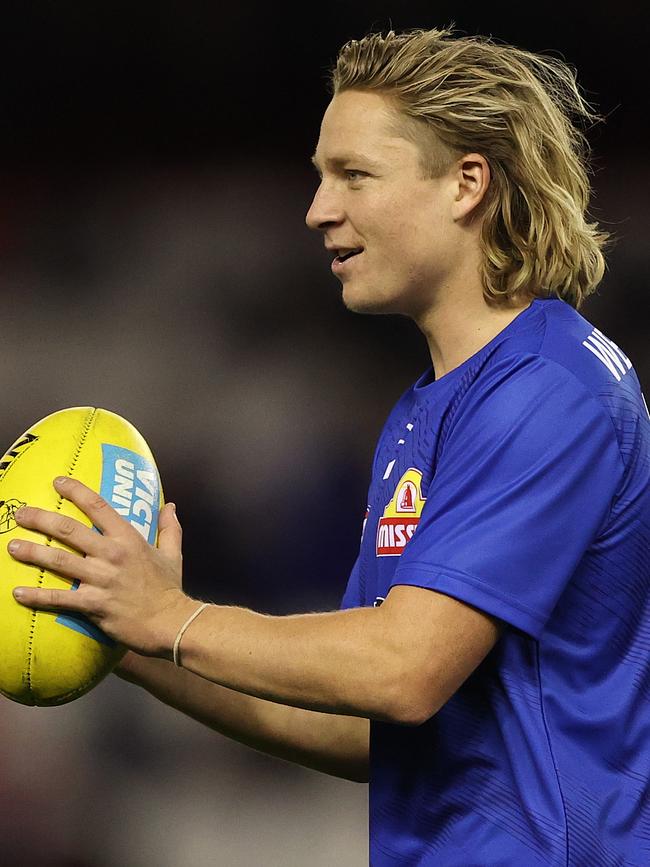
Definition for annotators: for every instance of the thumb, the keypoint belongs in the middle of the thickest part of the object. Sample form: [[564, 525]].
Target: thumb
[[170, 533]]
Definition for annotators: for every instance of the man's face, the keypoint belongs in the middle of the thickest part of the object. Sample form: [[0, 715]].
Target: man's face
[[374, 199]]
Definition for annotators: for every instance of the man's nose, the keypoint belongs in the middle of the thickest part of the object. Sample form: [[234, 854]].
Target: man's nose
[[325, 210]]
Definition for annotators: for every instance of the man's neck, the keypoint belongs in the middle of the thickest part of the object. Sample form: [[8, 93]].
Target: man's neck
[[458, 328]]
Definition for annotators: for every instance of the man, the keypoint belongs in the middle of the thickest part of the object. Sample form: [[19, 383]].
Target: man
[[488, 672]]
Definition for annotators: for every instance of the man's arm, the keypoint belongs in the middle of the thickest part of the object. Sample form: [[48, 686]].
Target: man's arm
[[333, 744], [398, 663]]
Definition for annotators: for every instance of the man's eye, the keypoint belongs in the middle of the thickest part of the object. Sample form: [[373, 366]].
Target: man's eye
[[354, 175]]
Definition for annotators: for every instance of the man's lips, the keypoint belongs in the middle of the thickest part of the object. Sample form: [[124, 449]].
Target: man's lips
[[343, 252], [342, 263]]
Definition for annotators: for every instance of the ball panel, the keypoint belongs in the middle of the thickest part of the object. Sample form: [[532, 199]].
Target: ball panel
[[67, 663]]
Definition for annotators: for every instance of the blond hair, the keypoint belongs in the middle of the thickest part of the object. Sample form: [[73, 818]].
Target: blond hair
[[516, 108]]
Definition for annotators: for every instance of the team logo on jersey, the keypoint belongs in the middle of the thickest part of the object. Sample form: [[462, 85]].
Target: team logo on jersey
[[401, 515]]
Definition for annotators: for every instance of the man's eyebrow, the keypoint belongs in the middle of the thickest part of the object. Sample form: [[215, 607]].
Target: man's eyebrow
[[345, 159]]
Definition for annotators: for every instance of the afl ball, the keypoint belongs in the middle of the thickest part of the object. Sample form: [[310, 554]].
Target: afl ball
[[50, 658]]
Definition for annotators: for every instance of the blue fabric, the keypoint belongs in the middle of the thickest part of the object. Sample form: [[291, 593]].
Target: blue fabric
[[520, 484]]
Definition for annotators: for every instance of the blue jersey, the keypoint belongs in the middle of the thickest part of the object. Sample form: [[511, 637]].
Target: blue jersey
[[520, 483]]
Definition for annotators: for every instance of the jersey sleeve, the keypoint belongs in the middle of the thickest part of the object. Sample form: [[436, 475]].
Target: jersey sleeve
[[524, 481]]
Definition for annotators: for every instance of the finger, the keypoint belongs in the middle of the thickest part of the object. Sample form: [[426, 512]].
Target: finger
[[53, 559], [103, 516], [62, 527], [170, 534], [51, 600]]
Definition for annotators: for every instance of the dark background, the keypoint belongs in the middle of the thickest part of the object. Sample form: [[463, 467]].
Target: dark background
[[154, 176]]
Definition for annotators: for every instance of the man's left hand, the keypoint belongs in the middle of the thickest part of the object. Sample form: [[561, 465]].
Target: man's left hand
[[128, 588]]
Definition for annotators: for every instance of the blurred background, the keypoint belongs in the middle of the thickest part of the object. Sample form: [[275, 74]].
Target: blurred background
[[154, 177]]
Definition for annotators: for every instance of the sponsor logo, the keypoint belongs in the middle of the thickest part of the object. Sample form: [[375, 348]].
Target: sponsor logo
[[401, 515], [18, 448], [130, 484], [8, 514]]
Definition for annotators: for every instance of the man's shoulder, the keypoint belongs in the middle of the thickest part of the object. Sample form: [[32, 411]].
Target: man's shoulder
[[575, 343], [557, 344]]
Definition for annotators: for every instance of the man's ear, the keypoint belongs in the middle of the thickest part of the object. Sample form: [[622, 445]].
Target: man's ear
[[472, 179]]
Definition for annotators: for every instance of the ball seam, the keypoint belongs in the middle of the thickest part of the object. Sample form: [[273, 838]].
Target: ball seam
[[41, 574]]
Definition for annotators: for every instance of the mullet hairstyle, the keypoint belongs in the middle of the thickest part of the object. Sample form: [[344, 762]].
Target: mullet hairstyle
[[516, 109]]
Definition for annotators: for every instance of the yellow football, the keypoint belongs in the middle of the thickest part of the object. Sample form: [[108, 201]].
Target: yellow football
[[50, 658]]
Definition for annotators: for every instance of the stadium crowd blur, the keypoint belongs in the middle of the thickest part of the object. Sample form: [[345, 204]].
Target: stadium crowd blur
[[155, 262]]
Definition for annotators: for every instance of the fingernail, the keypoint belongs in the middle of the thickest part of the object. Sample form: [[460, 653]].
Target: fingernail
[[18, 593], [60, 481], [14, 545]]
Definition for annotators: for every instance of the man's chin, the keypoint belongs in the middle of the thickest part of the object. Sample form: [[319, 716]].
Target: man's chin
[[360, 300]]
